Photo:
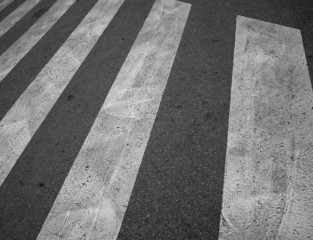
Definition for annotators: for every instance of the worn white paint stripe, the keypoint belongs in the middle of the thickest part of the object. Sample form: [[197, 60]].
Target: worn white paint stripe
[[268, 190], [16, 15], [20, 48], [24, 118], [94, 197], [5, 3]]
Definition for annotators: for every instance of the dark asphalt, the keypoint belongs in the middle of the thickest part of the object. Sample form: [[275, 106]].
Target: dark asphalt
[[179, 187], [178, 191]]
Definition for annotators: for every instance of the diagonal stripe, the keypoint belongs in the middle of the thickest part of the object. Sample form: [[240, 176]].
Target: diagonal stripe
[[13, 85], [5, 3], [24, 24], [37, 177], [10, 8], [15, 16], [25, 117], [20, 48], [96, 192], [268, 180]]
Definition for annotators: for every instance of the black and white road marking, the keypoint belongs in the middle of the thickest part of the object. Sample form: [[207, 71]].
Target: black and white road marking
[[103, 134]]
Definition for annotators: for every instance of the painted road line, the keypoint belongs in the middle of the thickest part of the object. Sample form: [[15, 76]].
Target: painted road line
[[24, 118], [268, 179], [38, 175], [10, 8], [12, 86], [5, 3], [94, 197], [15, 16], [23, 25], [20, 48]]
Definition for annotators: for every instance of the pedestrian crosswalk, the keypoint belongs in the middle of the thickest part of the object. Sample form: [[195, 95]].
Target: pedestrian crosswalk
[[79, 117], [24, 118], [97, 189]]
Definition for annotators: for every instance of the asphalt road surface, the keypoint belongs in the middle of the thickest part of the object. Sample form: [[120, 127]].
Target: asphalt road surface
[[115, 113]]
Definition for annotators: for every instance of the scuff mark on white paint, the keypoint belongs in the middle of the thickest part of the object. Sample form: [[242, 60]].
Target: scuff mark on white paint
[[60, 235], [18, 136]]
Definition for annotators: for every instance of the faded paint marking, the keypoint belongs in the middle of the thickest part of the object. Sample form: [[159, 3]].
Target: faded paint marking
[[15, 16], [24, 118], [99, 184], [268, 178], [21, 47]]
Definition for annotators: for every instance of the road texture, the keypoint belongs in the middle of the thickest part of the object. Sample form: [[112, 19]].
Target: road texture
[[178, 191]]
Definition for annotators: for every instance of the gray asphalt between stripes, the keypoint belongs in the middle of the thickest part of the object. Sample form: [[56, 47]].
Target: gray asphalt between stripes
[[14, 84], [178, 191], [10, 8], [24, 24], [35, 180]]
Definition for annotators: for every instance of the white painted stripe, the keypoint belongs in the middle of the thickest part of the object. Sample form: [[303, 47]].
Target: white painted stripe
[[268, 190], [5, 3], [24, 118], [20, 48], [15, 16], [93, 199]]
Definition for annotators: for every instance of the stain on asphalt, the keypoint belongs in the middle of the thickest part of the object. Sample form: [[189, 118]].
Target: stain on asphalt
[[39, 13], [209, 116], [70, 97]]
